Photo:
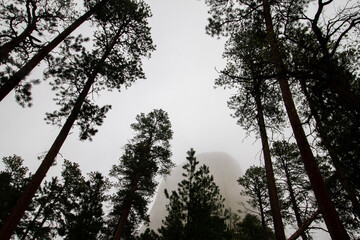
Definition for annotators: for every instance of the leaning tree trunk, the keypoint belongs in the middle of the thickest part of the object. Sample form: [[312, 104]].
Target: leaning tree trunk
[[15, 79], [134, 185], [126, 209], [326, 206], [305, 225], [23, 202], [274, 200]]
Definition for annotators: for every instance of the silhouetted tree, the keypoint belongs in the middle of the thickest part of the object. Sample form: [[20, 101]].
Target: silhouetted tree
[[250, 228], [123, 40], [195, 210], [255, 186], [333, 223], [294, 181], [257, 103], [330, 36], [327, 74], [14, 178], [45, 216], [146, 156], [81, 203]]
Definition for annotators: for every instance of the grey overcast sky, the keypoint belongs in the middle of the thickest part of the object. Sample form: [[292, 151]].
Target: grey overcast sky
[[180, 79]]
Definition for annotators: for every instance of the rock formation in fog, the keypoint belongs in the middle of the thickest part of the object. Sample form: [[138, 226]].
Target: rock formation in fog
[[225, 170]]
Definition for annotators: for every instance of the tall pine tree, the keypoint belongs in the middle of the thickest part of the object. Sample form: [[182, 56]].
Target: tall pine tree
[[146, 156], [196, 209]]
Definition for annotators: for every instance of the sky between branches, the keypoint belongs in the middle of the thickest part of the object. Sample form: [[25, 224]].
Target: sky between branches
[[180, 79]]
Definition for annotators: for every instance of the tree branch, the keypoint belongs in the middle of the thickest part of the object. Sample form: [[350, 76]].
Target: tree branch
[[305, 225]]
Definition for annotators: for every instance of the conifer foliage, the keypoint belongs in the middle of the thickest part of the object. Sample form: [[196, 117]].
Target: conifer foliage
[[121, 41], [70, 207], [195, 210], [145, 156]]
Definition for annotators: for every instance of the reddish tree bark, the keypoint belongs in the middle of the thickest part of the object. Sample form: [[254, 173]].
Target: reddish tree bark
[[326, 206]]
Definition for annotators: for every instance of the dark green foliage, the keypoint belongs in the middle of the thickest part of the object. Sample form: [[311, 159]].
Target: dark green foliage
[[146, 156], [255, 186], [173, 226], [120, 45], [121, 41], [293, 181], [13, 180], [250, 228], [26, 27], [71, 208], [195, 210], [149, 235], [257, 104], [251, 74], [81, 204]]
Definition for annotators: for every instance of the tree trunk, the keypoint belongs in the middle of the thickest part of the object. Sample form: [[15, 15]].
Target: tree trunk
[[262, 214], [15, 79], [23, 202], [43, 206], [293, 199], [134, 186], [274, 200], [304, 226], [126, 209], [345, 181], [333, 223]]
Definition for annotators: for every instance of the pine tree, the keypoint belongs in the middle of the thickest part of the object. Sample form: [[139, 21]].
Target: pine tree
[[293, 179], [228, 17], [326, 206], [146, 156], [255, 187], [45, 215], [257, 100], [195, 210], [250, 228], [127, 39], [81, 203]]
